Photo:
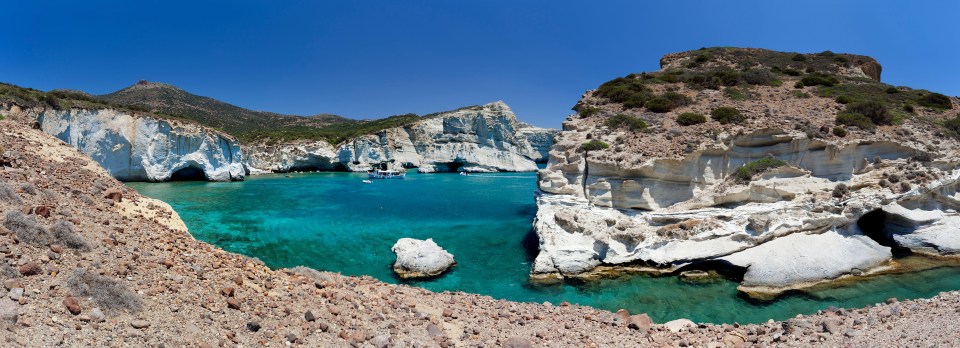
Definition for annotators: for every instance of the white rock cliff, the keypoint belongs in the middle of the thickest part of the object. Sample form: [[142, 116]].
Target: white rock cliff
[[134, 148], [486, 138]]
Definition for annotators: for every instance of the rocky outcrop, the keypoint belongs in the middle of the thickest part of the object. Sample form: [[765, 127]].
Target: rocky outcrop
[[420, 258], [135, 148], [485, 138], [673, 197], [289, 157]]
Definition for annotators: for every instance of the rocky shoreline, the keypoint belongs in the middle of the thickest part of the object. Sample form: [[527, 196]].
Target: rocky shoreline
[[127, 273], [785, 193], [134, 147]]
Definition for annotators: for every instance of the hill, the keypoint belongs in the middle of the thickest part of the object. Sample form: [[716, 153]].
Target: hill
[[166, 101]]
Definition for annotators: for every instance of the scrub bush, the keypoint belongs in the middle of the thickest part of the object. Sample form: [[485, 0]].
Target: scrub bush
[[690, 118], [748, 170], [108, 293], [726, 115], [26, 228]]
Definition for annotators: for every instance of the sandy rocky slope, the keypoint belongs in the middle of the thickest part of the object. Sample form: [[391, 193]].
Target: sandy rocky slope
[[89, 262], [785, 188]]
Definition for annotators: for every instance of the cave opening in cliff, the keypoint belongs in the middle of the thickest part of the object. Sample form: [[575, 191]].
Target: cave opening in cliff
[[874, 225], [451, 167], [188, 174]]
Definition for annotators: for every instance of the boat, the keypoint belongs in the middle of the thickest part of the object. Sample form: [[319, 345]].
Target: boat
[[367, 182], [385, 174]]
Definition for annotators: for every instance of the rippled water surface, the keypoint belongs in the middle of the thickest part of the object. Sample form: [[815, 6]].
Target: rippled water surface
[[334, 222]]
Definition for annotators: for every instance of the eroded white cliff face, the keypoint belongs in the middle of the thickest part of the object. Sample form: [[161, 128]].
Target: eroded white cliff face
[[785, 227], [487, 138], [281, 158], [135, 148]]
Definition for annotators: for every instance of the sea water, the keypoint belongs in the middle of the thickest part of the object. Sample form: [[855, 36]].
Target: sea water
[[335, 222]]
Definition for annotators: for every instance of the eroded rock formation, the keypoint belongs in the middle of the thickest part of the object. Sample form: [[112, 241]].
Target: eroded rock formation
[[485, 138], [135, 148], [668, 196]]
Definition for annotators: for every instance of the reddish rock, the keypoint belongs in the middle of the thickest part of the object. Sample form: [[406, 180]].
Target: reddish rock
[[30, 268], [72, 305], [233, 303], [43, 211], [640, 322], [228, 292], [113, 194]]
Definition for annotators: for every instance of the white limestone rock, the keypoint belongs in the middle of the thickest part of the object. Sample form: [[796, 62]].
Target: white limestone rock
[[420, 258], [484, 138], [136, 148], [287, 157], [926, 227], [804, 259]]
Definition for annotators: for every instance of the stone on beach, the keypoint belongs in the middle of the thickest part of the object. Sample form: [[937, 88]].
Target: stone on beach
[[420, 258]]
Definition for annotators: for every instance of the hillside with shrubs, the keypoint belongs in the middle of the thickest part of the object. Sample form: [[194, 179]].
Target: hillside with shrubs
[[711, 94]]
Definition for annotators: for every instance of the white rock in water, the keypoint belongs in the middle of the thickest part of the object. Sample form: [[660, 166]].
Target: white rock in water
[[420, 258]]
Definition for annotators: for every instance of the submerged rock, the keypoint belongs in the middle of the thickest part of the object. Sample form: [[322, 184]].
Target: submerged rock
[[420, 258]]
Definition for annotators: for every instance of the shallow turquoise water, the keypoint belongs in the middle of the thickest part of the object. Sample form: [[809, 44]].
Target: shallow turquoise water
[[333, 222]]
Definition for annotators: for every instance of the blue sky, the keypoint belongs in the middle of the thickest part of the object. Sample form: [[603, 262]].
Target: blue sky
[[367, 59]]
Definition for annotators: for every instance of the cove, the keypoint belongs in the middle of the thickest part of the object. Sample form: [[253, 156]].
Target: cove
[[334, 222]]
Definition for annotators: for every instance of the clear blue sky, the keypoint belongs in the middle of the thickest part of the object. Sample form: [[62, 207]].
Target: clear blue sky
[[366, 59]]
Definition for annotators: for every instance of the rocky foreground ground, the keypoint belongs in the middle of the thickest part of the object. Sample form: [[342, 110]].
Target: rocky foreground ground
[[89, 262]]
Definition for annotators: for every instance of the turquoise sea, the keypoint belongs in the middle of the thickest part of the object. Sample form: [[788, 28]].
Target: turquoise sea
[[334, 222]]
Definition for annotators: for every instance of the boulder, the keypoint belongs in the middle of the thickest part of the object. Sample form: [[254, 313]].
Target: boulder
[[800, 259], [678, 325], [420, 258]]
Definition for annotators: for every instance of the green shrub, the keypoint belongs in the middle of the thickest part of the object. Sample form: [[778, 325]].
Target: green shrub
[[748, 170], [843, 99], [666, 102], [659, 104], [588, 111], [953, 125], [876, 111], [760, 77], [935, 100], [799, 58], [909, 108], [801, 94], [713, 79], [892, 90], [726, 115], [798, 85], [839, 131], [630, 92], [855, 120], [792, 72], [631, 122], [594, 145], [819, 80], [690, 118], [734, 93]]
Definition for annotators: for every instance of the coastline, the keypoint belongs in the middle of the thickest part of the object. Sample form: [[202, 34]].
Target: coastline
[[195, 294]]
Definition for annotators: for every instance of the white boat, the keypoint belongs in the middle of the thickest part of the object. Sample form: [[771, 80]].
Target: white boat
[[367, 182], [385, 174]]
